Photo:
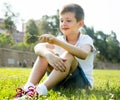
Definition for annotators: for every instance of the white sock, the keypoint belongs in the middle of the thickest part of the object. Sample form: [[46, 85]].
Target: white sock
[[27, 85], [41, 89]]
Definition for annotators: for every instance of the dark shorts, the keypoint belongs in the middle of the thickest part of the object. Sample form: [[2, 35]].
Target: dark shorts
[[77, 79]]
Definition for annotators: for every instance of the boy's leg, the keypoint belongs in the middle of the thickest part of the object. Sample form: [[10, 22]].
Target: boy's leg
[[38, 71], [56, 76], [29, 89], [76, 79], [40, 66]]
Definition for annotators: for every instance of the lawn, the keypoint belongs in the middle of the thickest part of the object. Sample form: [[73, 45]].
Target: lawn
[[106, 87]]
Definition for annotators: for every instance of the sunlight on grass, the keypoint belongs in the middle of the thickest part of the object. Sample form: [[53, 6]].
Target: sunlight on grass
[[106, 87]]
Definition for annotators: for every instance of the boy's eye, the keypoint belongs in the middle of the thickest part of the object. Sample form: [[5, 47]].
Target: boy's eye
[[61, 20], [65, 21], [68, 20]]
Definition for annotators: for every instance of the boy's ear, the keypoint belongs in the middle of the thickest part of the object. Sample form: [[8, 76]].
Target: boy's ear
[[81, 23]]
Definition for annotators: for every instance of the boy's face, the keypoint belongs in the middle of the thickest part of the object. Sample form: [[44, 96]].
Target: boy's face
[[69, 24]]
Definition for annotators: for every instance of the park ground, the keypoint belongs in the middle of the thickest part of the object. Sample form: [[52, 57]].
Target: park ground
[[106, 86]]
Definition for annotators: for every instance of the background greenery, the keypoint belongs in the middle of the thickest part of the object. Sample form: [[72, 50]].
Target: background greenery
[[106, 86]]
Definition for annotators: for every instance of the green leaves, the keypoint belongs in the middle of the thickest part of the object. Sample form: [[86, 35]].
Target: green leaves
[[5, 40], [31, 32]]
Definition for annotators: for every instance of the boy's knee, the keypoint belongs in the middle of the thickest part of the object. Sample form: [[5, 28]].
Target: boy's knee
[[36, 48], [70, 60], [68, 56]]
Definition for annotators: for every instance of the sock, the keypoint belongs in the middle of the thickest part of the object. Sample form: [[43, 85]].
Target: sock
[[41, 89], [27, 85]]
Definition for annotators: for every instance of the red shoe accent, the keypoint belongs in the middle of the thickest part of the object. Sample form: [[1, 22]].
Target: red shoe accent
[[20, 93], [31, 93]]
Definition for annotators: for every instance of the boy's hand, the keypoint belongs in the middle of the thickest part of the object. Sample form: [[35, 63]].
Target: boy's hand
[[56, 62], [47, 38]]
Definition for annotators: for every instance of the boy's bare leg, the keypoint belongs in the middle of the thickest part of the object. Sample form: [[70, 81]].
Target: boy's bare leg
[[56, 76], [38, 71]]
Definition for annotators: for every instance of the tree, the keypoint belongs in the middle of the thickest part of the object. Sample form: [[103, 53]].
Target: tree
[[54, 25], [89, 31], [49, 25], [31, 32], [5, 41], [43, 25], [108, 45], [9, 18], [113, 48]]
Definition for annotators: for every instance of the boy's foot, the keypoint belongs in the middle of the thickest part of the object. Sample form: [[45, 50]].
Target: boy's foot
[[22, 95], [32, 93]]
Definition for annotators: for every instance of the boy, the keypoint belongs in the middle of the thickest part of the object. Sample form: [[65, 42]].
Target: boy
[[68, 59]]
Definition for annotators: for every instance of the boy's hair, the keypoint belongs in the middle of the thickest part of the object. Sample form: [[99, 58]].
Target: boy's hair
[[74, 8]]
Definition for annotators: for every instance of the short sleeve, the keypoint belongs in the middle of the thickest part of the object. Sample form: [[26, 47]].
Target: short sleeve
[[85, 39]]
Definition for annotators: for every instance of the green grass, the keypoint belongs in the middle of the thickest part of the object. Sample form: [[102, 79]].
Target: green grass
[[106, 87]]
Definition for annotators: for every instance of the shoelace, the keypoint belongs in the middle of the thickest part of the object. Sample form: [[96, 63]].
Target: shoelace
[[20, 92], [31, 92]]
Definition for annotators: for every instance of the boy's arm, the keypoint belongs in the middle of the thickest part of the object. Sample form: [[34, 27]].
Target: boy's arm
[[78, 52]]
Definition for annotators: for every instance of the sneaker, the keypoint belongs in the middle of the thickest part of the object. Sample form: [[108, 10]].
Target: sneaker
[[20, 93], [30, 94]]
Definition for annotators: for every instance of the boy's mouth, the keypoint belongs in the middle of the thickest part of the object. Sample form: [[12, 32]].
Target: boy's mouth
[[65, 28]]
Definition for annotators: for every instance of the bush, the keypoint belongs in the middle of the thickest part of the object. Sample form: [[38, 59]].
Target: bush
[[6, 41]]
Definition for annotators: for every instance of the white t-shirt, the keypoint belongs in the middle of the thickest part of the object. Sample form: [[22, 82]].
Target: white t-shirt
[[87, 64]]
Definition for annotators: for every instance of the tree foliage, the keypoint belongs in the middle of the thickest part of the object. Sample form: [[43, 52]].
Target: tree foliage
[[49, 25], [9, 18], [31, 32], [5, 41], [107, 44]]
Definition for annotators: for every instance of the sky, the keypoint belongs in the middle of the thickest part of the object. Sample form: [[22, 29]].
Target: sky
[[103, 15]]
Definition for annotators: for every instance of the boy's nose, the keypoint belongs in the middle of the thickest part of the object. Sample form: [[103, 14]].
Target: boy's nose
[[64, 23]]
